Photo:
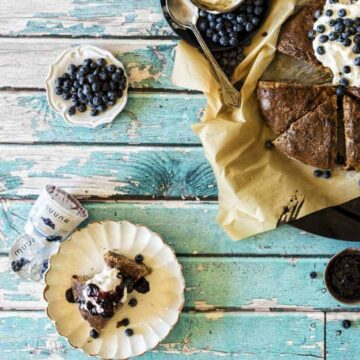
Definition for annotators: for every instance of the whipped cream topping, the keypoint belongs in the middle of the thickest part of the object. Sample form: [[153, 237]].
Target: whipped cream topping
[[106, 281], [333, 53], [216, 4]]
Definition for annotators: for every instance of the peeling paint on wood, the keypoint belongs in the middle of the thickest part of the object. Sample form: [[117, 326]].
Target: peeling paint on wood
[[147, 119], [196, 231], [106, 171], [83, 17], [148, 63], [195, 336], [342, 343]]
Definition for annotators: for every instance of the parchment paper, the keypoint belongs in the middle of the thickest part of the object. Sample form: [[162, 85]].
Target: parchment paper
[[258, 189]]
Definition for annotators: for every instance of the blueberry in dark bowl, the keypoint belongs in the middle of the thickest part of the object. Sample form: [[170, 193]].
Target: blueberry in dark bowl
[[228, 30]]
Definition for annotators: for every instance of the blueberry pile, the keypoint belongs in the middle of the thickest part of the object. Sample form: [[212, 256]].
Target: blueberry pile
[[341, 29], [94, 83], [227, 29], [17, 265], [229, 59]]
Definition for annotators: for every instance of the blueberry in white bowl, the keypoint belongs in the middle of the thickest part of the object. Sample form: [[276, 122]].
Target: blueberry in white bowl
[[88, 86]]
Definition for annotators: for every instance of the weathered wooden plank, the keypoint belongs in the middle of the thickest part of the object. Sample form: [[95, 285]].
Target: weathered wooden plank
[[24, 63], [342, 343], [211, 283], [29, 335], [149, 118], [106, 171], [83, 18], [190, 227]]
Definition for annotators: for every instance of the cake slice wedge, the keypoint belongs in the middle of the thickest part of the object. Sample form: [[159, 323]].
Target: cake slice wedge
[[351, 108], [99, 296], [312, 139], [281, 103], [293, 39]]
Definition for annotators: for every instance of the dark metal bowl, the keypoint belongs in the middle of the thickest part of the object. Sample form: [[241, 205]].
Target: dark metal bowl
[[189, 37]]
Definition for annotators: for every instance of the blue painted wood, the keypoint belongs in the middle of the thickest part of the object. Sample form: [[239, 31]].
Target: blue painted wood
[[147, 119], [29, 335], [189, 227], [148, 64], [83, 17], [106, 171], [342, 343]]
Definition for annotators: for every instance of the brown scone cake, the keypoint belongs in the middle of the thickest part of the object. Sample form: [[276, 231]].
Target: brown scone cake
[[312, 139], [125, 266], [293, 39], [101, 295], [351, 108], [283, 103]]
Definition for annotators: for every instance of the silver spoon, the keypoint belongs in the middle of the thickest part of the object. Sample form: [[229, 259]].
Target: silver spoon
[[186, 14]]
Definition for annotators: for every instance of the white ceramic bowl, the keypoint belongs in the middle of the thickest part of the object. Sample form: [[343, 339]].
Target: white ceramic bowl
[[157, 311], [76, 55]]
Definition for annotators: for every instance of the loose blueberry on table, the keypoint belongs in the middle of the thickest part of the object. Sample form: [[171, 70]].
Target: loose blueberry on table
[[94, 83]]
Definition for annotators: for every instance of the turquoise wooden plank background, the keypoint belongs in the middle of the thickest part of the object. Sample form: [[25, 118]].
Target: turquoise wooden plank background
[[190, 227], [250, 300], [298, 336], [149, 118]]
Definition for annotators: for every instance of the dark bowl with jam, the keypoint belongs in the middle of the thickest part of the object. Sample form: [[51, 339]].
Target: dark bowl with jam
[[342, 276]]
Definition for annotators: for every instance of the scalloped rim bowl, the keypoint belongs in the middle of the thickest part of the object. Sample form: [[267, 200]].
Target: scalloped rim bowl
[[76, 55], [152, 319]]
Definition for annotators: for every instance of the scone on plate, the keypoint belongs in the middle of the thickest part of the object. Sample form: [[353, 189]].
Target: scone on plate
[[99, 296]]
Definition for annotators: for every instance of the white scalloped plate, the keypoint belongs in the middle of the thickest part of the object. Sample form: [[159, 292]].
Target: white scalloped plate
[[76, 55], [157, 311]]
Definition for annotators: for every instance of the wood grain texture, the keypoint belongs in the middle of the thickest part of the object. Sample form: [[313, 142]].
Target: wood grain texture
[[96, 171], [196, 336], [189, 227], [83, 18], [342, 343], [147, 119], [211, 283], [24, 63]]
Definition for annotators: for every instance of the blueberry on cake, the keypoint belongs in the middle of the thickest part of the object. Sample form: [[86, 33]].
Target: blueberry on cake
[[99, 296]]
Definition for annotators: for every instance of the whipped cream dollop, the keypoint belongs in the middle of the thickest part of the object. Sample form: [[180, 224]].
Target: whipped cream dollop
[[107, 281], [216, 4], [336, 40]]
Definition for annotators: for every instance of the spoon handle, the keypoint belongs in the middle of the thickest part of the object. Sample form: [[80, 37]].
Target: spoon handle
[[230, 95]]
